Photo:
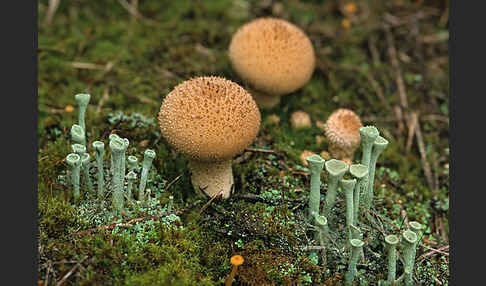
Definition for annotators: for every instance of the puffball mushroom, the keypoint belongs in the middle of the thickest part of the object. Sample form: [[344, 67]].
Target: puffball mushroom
[[274, 56], [209, 120], [342, 131]]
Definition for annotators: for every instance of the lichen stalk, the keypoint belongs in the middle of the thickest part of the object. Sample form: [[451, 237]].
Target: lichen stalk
[[391, 242], [123, 168], [409, 248], [112, 136], [131, 178], [100, 152], [117, 147], [78, 135], [360, 172], [170, 204], [85, 168], [74, 160], [378, 147], [322, 234], [82, 99], [368, 135], [348, 188], [148, 157], [356, 245], [335, 171], [316, 164], [132, 163]]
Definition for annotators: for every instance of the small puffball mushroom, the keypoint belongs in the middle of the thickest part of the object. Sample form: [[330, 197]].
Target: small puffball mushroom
[[209, 120], [342, 131], [274, 56], [300, 119]]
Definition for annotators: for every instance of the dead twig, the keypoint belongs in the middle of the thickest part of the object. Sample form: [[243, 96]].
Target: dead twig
[[173, 181], [261, 150], [106, 95], [132, 9], [434, 251], [51, 11], [65, 277], [423, 155], [210, 201], [411, 132]]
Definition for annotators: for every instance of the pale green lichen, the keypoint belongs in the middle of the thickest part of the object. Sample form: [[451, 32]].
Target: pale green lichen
[[148, 157], [360, 172], [100, 152], [409, 248], [356, 246], [335, 171], [348, 188], [391, 242], [117, 147], [78, 135], [83, 100], [74, 160], [132, 163], [378, 147], [368, 135], [316, 164], [131, 178], [85, 168]]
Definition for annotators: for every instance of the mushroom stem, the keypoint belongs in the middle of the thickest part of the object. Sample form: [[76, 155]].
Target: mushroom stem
[[409, 248], [85, 166], [348, 187], [232, 275], [83, 100], [335, 170], [74, 160], [212, 177], [100, 152], [316, 164], [378, 146], [78, 135], [117, 147], [265, 100], [353, 260], [360, 172], [148, 157]]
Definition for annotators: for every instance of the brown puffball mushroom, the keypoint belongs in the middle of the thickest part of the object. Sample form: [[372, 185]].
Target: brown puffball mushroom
[[342, 131], [300, 119], [273, 56], [209, 120]]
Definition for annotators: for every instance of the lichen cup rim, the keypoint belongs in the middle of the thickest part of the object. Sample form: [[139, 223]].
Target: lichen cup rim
[[82, 97], [415, 225], [149, 153], [98, 145], [356, 242], [358, 170], [315, 159], [369, 131], [391, 239], [70, 160], [132, 159], [117, 144], [410, 236], [78, 148], [348, 183], [320, 220], [336, 167]]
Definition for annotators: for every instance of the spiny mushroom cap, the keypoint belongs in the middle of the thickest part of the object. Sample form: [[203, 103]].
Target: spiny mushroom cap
[[273, 55], [342, 129], [209, 118]]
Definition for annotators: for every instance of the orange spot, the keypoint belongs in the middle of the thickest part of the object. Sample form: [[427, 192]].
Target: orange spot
[[69, 108], [345, 23], [350, 8], [237, 260]]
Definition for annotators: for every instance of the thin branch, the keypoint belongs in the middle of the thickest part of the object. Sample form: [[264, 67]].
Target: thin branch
[[65, 277], [423, 154]]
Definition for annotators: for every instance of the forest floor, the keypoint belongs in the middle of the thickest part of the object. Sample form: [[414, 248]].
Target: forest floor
[[386, 60]]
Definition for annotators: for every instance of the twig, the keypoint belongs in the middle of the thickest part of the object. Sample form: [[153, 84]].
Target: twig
[[106, 95], [51, 11], [434, 251], [132, 9], [71, 271], [425, 163], [173, 181], [411, 131], [261, 150], [143, 99], [209, 202], [392, 52], [309, 248]]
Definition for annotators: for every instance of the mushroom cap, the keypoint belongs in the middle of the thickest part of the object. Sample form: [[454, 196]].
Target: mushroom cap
[[342, 129], [237, 260], [272, 55], [300, 119], [209, 118]]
